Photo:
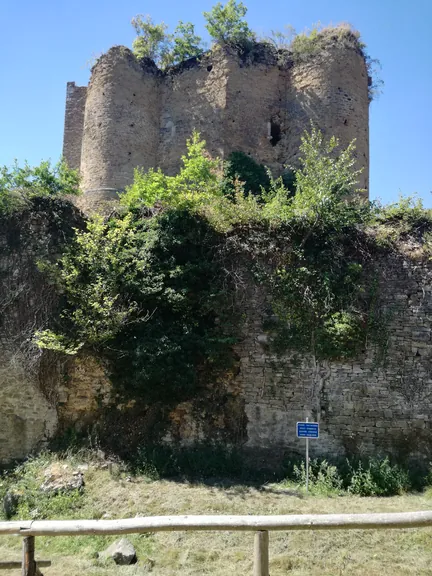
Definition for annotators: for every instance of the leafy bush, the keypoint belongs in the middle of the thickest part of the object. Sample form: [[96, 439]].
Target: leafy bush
[[378, 478], [403, 219], [370, 477], [19, 184], [193, 186], [324, 478], [244, 168], [146, 293], [408, 210]]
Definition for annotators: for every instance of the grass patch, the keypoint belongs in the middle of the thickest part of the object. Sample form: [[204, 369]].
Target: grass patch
[[384, 553]]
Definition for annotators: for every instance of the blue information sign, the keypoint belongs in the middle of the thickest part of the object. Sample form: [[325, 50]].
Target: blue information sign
[[307, 430]]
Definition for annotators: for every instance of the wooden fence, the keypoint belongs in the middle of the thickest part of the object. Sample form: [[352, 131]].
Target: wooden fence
[[261, 525]]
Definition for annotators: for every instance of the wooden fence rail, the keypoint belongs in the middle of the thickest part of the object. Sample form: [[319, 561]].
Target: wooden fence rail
[[261, 525]]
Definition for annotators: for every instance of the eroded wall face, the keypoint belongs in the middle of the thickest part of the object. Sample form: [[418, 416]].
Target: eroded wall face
[[365, 406], [27, 417], [331, 90], [74, 124], [193, 99], [121, 125], [253, 102]]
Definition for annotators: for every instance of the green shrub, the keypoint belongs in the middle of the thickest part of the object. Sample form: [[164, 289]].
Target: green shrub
[[324, 478], [154, 42], [149, 295], [19, 184], [378, 478], [244, 168], [194, 186]]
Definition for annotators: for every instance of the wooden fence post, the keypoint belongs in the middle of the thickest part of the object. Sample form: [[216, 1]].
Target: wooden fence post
[[28, 560], [261, 553]]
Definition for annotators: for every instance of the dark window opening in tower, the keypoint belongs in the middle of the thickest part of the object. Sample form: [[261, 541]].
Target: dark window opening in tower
[[275, 133]]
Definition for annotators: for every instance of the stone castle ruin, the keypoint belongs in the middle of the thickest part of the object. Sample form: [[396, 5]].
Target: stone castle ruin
[[132, 114]]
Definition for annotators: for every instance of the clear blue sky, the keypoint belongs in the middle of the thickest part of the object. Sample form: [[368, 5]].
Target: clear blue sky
[[45, 43]]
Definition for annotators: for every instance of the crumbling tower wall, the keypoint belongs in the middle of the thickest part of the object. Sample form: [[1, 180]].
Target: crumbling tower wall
[[193, 98], [121, 124], [331, 90], [74, 124], [259, 103]]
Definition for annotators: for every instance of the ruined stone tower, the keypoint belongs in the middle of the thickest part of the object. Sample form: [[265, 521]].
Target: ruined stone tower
[[132, 114]]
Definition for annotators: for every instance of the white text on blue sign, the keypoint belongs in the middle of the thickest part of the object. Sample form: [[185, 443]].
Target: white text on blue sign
[[307, 430]]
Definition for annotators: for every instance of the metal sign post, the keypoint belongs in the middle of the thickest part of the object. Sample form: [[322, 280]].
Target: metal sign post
[[307, 430], [307, 461]]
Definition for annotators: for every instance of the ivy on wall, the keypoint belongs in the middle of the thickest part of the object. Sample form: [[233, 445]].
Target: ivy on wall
[[155, 288]]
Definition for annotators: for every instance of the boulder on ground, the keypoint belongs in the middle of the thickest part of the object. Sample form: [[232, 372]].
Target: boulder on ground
[[62, 478], [10, 503], [121, 551]]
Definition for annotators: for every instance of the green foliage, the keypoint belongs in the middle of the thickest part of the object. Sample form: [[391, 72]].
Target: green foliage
[[25, 482], [154, 42], [226, 24], [327, 177], [145, 293], [186, 44], [152, 39], [324, 478], [378, 478], [408, 210], [320, 292], [19, 184], [89, 272], [244, 168], [193, 186], [406, 218], [368, 477]]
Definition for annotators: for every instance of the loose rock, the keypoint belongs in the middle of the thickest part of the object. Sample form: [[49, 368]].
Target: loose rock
[[10, 504], [61, 478], [121, 551]]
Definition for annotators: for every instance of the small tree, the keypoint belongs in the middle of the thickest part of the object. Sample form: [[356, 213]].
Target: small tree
[[226, 24], [186, 44], [165, 49], [195, 183], [152, 40]]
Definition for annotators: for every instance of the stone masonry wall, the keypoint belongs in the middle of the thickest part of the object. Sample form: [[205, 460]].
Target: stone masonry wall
[[364, 406], [193, 98], [74, 124], [378, 403], [121, 125], [41, 392]]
